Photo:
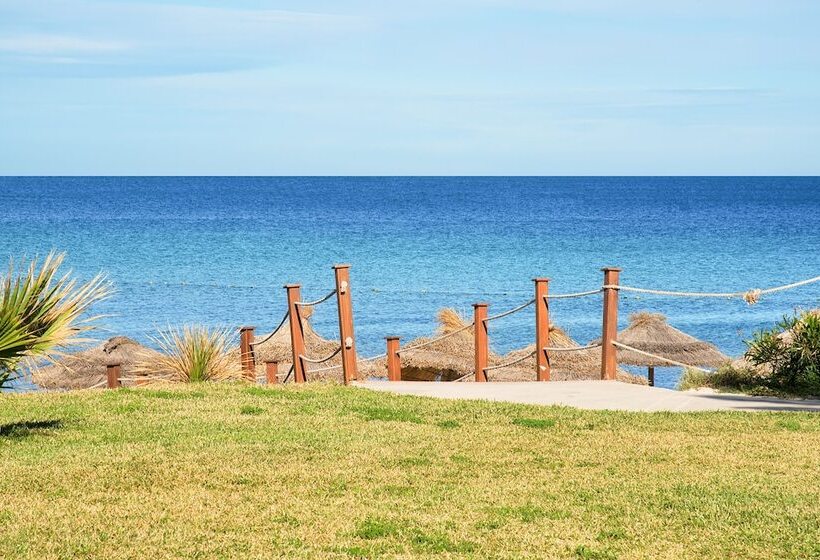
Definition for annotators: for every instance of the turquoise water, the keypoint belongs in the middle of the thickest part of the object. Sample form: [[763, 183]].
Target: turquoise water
[[218, 250]]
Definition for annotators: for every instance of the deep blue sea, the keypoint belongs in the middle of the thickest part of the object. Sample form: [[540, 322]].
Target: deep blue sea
[[218, 250]]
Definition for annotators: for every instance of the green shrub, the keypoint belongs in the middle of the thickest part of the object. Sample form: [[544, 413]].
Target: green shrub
[[791, 353]]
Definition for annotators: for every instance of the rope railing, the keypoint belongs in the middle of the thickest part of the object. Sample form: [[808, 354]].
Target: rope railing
[[319, 370], [287, 376], [102, 383], [574, 295], [434, 340], [571, 348], [510, 311], [510, 363], [650, 355], [321, 360], [318, 301], [372, 358], [272, 334], [750, 296]]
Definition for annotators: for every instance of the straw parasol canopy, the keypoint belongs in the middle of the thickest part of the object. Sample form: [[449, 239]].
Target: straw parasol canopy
[[444, 360], [279, 349], [88, 368], [564, 366], [651, 333]]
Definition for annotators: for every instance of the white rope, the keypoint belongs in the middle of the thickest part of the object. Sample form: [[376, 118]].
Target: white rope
[[571, 348], [321, 360], [324, 369], [575, 295], [512, 363], [372, 358], [98, 385], [510, 312], [751, 296], [318, 301], [648, 355], [276, 330], [438, 339]]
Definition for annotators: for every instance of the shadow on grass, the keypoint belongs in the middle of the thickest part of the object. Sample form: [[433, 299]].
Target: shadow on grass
[[27, 428]]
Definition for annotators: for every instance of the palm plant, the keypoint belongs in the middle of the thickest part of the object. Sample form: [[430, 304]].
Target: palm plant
[[42, 312], [192, 354]]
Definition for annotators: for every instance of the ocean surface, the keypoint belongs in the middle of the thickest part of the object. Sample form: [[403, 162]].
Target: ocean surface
[[218, 250]]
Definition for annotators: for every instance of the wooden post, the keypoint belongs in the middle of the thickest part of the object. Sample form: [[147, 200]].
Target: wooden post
[[481, 341], [393, 359], [271, 369], [345, 305], [542, 329], [246, 336], [112, 372], [609, 357], [297, 335], [651, 376]]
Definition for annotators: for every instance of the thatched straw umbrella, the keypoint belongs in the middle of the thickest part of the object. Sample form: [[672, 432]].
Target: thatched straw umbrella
[[564, 366], [88, 368], [446, 360], [651, 333], [279, 349]]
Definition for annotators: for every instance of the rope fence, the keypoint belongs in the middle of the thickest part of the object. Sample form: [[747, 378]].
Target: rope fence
[[511, 363], [751, 296], [318, 301], [571, 348], [321, 360], [574, 295], [437, 339], [272, 334], [608, 344], [655, 356], [510, 311]]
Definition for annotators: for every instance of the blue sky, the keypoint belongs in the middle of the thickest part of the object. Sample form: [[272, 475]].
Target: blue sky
[[311, 87]]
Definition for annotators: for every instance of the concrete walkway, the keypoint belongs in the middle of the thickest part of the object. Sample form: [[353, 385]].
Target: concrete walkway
[[595, 395]]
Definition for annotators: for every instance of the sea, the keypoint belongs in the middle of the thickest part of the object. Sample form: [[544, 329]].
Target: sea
[[217, 251]]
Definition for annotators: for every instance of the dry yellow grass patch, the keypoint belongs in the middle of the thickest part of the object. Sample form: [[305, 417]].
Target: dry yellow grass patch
[[226, 471]]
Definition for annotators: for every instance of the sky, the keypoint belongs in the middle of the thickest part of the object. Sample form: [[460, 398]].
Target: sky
[[444, 87]]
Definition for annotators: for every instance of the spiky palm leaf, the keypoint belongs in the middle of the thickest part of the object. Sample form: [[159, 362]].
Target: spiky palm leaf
[[42, 312]]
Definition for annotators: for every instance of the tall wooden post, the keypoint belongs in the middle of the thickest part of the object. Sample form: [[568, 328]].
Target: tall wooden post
[[609, 357], [651, 375], [246, 336], [542, 329], [393, 359], [297, 335], [481, 341], [345, 305], [112, 372], [271, 371]]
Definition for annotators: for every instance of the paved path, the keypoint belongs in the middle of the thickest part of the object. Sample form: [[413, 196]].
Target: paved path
[[610, 395]]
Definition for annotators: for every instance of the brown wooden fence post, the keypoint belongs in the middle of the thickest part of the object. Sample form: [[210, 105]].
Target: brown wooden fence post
[[393, 359], [112, 372], [542, 329], [346, 336], [609, 357], [271, 371], [297, 335], [481, 341], [246, 336]]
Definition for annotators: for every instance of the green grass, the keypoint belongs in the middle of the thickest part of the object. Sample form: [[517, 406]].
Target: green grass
[[230, 471]]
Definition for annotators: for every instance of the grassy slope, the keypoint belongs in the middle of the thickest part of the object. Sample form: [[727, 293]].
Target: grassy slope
[[244, 472]]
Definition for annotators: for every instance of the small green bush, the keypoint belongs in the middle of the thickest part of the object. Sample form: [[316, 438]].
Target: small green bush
[[791, 351]]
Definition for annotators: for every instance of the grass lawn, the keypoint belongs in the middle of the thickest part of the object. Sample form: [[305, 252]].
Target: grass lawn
[[231, 471]]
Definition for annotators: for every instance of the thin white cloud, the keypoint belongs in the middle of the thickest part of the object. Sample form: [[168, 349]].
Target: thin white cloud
[[42, 44]]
